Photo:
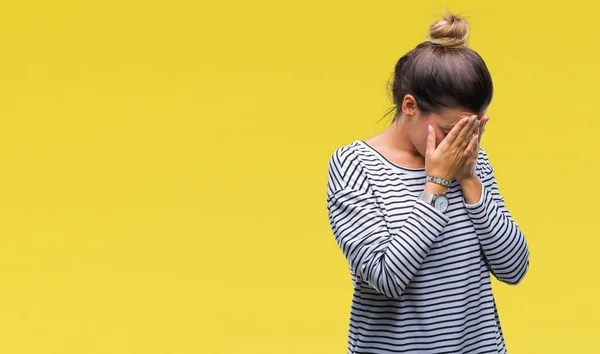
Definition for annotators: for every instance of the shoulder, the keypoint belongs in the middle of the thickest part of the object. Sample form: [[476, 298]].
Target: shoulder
[[346, 169], [345, 157], [483, 166]]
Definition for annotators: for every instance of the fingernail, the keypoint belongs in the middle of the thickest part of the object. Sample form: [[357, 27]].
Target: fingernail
[[430, 128]]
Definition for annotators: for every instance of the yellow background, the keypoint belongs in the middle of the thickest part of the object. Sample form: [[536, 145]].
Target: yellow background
[[164, 164]]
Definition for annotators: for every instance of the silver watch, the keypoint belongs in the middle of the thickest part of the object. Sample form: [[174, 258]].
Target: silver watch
[[438, 201]]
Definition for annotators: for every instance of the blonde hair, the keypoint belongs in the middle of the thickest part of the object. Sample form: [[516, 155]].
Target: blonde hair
[[451, 32]]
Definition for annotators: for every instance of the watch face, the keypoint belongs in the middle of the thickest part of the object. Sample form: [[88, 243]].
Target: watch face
[[441, 203]]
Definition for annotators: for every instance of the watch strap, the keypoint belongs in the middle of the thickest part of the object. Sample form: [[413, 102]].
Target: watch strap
[[427, 197]]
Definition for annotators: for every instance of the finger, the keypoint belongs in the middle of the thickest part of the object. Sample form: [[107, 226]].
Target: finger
[[481, 126], [476, 125], [474, 132], [485, 123], [453, 135], [467, 132], [473, 143], [430, 140]]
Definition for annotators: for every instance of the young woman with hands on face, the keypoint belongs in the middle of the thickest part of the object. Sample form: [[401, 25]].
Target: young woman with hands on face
[[455, 157], [417, 213]]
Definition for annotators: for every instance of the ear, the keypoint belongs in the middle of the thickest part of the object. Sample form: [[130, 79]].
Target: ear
[[409, 106]]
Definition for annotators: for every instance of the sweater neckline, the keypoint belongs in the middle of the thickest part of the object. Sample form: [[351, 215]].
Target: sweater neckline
[[384, 160]]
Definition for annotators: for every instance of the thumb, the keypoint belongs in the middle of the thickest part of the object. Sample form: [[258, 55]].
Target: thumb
[[430, 140]]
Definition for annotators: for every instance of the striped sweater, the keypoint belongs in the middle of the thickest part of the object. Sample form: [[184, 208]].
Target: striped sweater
[[421, 278]]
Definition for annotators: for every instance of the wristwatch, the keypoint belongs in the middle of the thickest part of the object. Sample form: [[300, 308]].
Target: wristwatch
[[438, 201]]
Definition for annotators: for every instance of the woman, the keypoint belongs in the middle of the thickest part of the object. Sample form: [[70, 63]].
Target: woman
[[417, 213]]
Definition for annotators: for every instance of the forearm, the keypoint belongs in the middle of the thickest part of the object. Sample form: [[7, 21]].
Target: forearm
[[503, 244], [472, 189], [387, 259]]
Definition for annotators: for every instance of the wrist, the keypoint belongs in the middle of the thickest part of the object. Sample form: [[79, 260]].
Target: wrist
[[472, 189], [468, 180]]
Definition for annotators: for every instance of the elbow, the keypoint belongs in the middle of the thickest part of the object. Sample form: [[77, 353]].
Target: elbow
[[390, 288], [385, 283], [517, 278], [515, 273], [394, 293], [512, 281]]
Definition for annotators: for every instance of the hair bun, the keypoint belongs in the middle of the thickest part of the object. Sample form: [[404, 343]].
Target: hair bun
[[451, 32]]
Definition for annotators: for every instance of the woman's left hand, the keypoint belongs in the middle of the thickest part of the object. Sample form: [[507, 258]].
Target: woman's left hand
[[468, 169]]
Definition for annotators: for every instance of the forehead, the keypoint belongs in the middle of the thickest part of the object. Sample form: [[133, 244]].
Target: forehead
[[448, 117]]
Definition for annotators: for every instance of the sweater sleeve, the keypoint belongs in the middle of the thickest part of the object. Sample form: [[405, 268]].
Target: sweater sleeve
[[503, 244], [386, 259]]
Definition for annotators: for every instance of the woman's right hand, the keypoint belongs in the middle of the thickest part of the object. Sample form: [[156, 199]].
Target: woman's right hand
[[446, 159]]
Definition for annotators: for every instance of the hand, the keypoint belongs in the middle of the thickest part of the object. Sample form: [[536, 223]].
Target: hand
[[445, 160], [467, 171]]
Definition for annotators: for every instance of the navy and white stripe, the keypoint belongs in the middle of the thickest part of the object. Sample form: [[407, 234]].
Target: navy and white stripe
[[421, 278]]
